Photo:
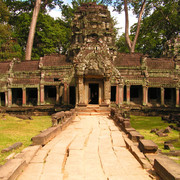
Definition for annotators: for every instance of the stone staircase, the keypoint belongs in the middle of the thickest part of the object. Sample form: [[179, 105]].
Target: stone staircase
[[92, 110]]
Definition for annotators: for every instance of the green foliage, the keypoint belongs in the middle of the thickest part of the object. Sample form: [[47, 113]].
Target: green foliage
[[14, 130], [162, 25], [9, 48], [21, 6]]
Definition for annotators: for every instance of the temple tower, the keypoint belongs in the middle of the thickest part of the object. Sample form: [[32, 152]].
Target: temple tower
[[93, 51]]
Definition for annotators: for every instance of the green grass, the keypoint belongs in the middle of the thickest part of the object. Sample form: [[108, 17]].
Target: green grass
[[144, 124], [14, 130]]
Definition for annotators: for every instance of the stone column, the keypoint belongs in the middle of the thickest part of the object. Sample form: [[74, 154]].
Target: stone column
[[81, 90], [6, 98], [57, 94], [65, 93], [9, 97], [107, 91], [145, 95], [162, 96], [128, 94], [41, 94], [77, 98], [38, 96], [177, 97], [23, 96], [120, 94], [117, 94]]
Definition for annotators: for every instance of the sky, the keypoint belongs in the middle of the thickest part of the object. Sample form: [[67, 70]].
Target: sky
[[120, 18]]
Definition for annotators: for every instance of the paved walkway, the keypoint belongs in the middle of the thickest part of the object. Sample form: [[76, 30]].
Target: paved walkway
[[91, 148]]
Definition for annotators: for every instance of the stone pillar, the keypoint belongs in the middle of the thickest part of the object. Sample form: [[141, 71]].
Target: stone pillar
[[162, 96], [23, 96], [65, 93], [107, 91], [38, 96], [128, 94], [120, 94], [145, 95], [177, 97], [57, 94], [6, 98], [117, 94], [81, 90], [9, 97], [41, 94]]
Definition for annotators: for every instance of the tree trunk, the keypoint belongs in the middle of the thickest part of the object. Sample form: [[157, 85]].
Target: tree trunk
[[128, 40], [131, 45], [32, 30]]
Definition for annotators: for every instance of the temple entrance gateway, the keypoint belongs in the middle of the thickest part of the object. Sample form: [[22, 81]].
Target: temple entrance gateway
[[93, 97]]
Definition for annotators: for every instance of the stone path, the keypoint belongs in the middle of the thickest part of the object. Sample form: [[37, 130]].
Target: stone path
[[91, 148]]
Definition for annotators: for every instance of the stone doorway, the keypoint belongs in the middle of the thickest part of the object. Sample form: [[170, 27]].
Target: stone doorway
[[93, 93]]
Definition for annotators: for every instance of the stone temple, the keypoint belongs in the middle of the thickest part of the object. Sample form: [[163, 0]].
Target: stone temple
[[93, 72]]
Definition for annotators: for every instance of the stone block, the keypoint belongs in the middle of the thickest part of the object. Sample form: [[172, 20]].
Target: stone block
[[44, 137], [166, 168], [126, 124], [135, 136], [168, 145], [147, 146], [127, 130], [167, 130], [10, 148]]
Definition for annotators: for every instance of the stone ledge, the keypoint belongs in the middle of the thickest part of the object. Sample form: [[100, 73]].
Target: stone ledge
[[12, 169], [166, 168], [48, 134], [28, 153], [137, 154]]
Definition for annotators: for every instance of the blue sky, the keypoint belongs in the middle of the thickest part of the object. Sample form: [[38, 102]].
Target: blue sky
[[120, 18]]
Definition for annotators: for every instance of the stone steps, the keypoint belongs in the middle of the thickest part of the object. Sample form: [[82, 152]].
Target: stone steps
[[93, 110]]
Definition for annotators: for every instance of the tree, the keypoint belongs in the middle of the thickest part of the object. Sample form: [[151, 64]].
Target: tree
[[142, 9], [20, 7], [32, 30], [9, 48], [161, 26]]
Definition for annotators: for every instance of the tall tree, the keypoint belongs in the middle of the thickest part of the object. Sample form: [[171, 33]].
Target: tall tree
[[141, 8], [20, 6], [32, 30], [158, 28]]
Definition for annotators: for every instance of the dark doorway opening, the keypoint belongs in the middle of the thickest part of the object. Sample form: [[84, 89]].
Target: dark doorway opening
[[31, 94], [2, 95], [154, 96], [50, 94], [17, 96], [170, 96], [93, 93], [136, 94], [113, 93], [72, 95]]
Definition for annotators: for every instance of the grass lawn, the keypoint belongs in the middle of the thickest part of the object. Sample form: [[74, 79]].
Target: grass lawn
[[144, 124], [14, 130]]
